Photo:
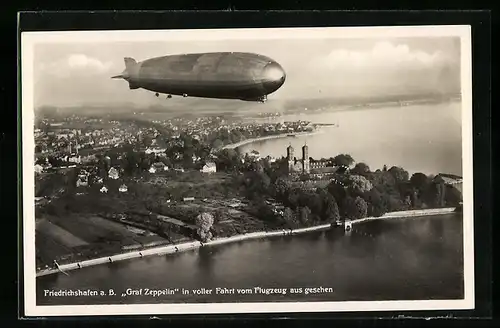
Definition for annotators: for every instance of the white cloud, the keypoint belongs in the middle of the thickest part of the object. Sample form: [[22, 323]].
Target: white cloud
[[383, 54], [78, 61], [76, 64]]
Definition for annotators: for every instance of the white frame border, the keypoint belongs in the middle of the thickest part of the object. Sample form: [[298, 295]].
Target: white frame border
[[29, 39]]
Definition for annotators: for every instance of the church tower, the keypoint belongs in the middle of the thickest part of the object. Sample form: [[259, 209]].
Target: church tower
[[290, 158], [305, 160]]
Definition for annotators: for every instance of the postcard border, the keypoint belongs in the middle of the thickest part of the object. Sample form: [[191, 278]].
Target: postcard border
[[28, 39]]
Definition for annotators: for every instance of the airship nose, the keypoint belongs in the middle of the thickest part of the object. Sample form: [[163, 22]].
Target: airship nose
[[273, 77]]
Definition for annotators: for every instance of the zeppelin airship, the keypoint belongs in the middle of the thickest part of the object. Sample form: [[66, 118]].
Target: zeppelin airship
[[221, 75]]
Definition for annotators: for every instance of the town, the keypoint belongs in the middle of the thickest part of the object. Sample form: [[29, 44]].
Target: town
[[106, 185]]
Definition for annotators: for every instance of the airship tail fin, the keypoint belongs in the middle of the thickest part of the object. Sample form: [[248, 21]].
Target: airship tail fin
[[132, 85], [131, 70], [130, 63]]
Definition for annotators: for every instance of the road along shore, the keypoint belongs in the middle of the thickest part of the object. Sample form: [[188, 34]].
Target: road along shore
[[170, 249]]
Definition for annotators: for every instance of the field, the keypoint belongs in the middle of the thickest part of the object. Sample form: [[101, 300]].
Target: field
[[71, 237], [198, 179], [229, 221], [48, 250], [58, 234], [84, 229], [190, 184], [95, 224]]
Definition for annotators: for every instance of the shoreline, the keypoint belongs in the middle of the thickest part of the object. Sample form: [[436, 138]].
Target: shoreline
[[274, 136], [177, 248]]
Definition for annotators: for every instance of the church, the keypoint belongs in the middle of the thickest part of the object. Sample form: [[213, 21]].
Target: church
[[306, 165]]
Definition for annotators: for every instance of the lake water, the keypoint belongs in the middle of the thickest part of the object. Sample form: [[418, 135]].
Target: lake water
[[398, 259], [420, 138]]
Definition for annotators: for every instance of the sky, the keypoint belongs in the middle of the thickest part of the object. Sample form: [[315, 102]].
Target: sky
[[80, 73]]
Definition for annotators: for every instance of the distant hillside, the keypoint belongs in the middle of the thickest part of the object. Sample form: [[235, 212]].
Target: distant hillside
[[195, 106]]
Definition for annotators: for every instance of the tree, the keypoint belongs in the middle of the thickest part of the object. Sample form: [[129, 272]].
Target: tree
[[55, 162], [293, 197], [358, 184], [132, 161], [361, 169], [281, 186], [289, 217], [228, 160], [343, 160], [217, 143], [219, 215], [420, 181], [354, 208], [330, 208], [41, 160], [255, 183], [337, 190], [313, 201], [348, 208], [440, 191], [305, 214], [399, 174], [147, 140], [386, 185], [395, 203], [264, 181], [265, 211], [204, 221], [376, 204], [361, 207]]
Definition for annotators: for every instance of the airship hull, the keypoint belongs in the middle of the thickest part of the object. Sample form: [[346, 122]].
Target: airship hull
[[224, 75]]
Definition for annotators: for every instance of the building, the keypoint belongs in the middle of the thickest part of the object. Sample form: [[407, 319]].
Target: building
[[74, 159], [254, 155], [103, 189], [88, 159], [307, 165], [348, 225], [83, 179], [38, 168], [298, 165], [123, 188], [209, 167], [452, 180], [156, 151], [270, 159], [113, 173], [158, 167]]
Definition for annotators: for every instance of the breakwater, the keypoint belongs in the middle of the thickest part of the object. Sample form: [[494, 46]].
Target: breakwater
[[407, 214], [274, 136]]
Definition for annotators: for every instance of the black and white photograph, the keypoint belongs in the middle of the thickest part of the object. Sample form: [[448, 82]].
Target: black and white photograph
[[251, 170]]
